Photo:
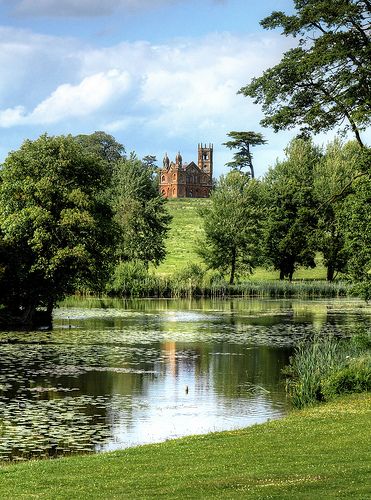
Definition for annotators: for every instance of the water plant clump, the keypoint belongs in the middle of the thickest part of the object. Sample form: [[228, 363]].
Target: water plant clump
[[133, 279], [327, 367]]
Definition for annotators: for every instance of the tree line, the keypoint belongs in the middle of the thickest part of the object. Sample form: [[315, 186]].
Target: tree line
[[307, 203]]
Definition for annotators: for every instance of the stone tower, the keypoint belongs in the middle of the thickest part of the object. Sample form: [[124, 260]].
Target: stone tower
[[205, 159]]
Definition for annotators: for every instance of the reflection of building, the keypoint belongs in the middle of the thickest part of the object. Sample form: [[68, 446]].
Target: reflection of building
[[170, 349], [188, 180]]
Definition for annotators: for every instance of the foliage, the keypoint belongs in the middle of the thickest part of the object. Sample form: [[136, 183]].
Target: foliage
[[242, 141], [323, 368], [188, 281], [56, 225], [291, 215], [356, 216], [132, 279], [333, 175], [140, 212], [232, 225], [324, 81], [102, 145]]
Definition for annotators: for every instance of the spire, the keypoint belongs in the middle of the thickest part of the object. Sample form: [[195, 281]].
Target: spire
[[166, 162], [178, 159]]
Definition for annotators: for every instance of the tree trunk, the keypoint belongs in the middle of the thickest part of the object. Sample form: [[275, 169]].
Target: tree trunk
[[233, 267], [282, 275], [330, 272]]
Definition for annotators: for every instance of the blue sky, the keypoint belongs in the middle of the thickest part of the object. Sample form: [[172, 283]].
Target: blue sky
[[159, 75]]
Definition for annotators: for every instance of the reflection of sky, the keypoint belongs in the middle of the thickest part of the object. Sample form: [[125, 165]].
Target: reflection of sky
[[167, 410]]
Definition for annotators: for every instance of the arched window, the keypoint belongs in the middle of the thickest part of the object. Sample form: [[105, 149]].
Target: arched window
[[163, 178]]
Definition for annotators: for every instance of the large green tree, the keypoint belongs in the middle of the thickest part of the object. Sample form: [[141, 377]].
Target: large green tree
[[325, 81], [243, 142], [103, 145], [357, 227], [55, 224], [232, 225], [140, 212], [291, 209], [333, 175]]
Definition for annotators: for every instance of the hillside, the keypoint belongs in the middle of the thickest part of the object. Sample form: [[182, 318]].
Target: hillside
[[187, 227]]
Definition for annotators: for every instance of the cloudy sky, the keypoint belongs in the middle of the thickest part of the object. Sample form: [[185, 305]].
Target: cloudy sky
[[159, 75]]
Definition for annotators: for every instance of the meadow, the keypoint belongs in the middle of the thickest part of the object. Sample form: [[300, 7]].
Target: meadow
[[187, 228]]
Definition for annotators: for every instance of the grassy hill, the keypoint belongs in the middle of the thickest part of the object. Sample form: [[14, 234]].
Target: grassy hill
[[187, 228]]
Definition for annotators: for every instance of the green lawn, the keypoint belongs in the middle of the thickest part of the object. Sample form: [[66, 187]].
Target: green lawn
[[185, 230], [318, 453]]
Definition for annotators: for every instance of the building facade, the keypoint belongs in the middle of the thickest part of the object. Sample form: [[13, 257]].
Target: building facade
[[188, 180]]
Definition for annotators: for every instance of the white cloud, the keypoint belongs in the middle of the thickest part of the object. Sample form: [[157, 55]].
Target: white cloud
[[69, 101], [152, 97]]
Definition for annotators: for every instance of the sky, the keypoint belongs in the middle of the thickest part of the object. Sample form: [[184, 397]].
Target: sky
[[159, 75]]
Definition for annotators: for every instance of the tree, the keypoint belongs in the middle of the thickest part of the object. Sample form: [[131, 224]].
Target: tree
[[232, 225], [243, 141], [140, 212], [325, 80], [356, 216], [150, 161], [291, 209], [55, 225], [333, 175], [103, 145]]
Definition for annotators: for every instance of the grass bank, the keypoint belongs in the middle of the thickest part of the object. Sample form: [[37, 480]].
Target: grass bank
[[322, 452]]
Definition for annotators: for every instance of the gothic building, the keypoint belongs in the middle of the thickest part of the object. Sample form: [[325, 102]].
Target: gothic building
[[188, 180]]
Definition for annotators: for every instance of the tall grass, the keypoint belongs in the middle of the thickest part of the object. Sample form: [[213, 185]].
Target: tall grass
[[327, 367], [132, 279]]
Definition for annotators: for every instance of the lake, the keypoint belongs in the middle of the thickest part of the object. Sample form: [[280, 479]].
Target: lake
[[114, 374]]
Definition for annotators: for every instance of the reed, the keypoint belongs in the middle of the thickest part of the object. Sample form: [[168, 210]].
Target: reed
[[327, 367], [132, 279]]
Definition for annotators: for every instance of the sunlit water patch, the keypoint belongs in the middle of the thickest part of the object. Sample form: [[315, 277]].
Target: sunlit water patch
[[113, 374]]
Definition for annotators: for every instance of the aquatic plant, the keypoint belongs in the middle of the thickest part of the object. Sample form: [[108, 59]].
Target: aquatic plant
[[326, 367]]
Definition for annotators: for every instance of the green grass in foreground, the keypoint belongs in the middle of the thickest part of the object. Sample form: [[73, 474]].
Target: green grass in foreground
[[318, 453], [187, 228]]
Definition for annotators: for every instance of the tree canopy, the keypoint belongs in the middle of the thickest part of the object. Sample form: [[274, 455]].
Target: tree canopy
[[103, 145], [291, 215], [232, 225], [325, 81], [243, 141], [56, 226], [140, 212]]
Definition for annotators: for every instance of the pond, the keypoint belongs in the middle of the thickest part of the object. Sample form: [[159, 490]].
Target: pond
[[114, 374]]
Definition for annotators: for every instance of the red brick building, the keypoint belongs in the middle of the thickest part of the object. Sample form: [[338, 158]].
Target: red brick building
[[188, 180]]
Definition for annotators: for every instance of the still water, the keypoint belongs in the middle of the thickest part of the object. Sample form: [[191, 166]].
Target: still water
[[113, 374]]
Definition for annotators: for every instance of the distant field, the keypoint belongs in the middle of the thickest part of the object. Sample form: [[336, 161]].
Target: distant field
[[187, 228]]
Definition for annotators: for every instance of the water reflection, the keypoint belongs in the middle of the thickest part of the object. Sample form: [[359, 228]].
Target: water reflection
[[117, 373]]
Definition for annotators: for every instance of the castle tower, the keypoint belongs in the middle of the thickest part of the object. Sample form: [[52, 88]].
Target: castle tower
[[205, 159]]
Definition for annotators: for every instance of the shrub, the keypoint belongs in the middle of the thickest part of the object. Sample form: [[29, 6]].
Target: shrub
[[132, 279], [356, 377], [324, 368], [188, 281]]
